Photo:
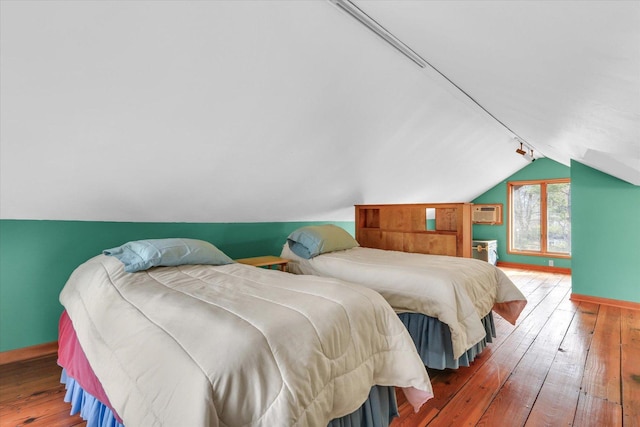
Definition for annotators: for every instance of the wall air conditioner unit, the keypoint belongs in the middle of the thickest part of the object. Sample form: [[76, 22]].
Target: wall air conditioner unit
[[486, 214]]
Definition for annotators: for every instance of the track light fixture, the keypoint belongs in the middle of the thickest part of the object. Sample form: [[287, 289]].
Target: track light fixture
[[349, 7], [524, 153]]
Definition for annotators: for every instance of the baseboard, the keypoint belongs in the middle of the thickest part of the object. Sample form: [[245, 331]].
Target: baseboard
[[606, 301], [27, 353], [545, 268]]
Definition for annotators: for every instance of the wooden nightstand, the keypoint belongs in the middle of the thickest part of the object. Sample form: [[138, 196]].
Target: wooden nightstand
[[265, 261]]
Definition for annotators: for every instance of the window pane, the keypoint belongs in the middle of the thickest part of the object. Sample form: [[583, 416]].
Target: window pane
[[559, 218], [526, 217]]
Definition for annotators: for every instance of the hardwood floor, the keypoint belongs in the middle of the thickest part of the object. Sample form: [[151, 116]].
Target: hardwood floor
[[563, 364], [31, 395]]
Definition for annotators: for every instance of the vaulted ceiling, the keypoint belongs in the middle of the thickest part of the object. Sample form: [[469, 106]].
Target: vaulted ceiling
[[564, 75], [215, 111]]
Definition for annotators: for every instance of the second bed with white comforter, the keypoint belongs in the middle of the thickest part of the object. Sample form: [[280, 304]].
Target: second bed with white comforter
[[457, 291]]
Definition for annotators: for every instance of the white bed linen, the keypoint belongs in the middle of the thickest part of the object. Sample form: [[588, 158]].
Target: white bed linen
[[236, 345], [457, 291]]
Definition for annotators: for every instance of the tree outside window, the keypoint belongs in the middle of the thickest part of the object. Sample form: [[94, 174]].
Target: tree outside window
[[540, 217]]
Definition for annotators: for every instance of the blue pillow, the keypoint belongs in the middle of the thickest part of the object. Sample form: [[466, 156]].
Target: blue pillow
[[143, 254], [313, 240]]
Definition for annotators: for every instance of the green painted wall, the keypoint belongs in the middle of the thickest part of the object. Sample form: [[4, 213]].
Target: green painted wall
[[540, 169], [37, 257], [606, 235]]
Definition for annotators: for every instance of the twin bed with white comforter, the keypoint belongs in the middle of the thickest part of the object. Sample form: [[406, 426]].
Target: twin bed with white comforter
[[231, 344], [445, 302]]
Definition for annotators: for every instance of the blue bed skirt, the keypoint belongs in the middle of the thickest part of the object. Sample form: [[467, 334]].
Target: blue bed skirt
[[94, 412], [433, 340], [377, 411]]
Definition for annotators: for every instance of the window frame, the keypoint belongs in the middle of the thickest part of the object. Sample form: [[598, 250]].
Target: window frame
[[543, 217]]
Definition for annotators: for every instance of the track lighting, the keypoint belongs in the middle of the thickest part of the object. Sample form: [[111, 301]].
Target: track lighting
[[523, 152], [379, 30], [349, 7]]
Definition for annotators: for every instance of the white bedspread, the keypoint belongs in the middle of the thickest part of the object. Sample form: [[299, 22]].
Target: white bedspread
[[457, 291], [236, 345]]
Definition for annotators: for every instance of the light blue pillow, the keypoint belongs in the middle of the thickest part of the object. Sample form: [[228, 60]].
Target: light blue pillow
[[313, 240], [143, 254]]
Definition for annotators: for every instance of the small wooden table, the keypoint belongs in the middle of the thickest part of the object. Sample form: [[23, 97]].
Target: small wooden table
[[265, 261]]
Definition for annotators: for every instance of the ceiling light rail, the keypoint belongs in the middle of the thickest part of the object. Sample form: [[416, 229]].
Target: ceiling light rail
[[379, 30], [349, 7]]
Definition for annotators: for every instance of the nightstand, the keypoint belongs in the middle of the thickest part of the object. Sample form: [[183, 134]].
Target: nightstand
[[265, 261]]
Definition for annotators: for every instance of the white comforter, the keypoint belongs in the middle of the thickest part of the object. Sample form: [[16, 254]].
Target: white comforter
[[457, 291], [236, 345]]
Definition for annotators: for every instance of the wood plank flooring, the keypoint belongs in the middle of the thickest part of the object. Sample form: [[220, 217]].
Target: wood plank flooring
[[563, 364], [31, 395]]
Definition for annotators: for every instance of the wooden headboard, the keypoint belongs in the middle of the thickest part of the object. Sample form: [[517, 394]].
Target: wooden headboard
[[404, 228]]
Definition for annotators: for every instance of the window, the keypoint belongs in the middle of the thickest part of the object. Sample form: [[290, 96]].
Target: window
[[540, 217]]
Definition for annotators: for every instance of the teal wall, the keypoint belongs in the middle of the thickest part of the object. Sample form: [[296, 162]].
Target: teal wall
[[37, 257], [606, 235], [605, 229], [540, 169]]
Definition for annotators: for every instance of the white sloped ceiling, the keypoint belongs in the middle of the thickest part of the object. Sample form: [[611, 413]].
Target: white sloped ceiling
[[564, 75], [216, 111]]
